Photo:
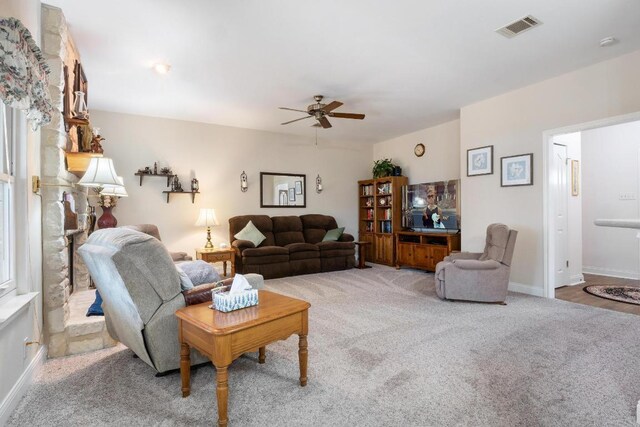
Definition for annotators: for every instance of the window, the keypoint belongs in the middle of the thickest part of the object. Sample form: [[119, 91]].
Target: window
[[7, 217]]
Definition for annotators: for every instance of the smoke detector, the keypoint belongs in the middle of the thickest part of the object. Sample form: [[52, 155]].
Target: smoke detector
[[518, 26]]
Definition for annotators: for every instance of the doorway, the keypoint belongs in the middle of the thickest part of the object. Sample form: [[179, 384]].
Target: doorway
[[563, 199]]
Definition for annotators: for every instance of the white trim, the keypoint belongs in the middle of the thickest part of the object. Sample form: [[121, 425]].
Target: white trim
[[13, 306], [603, 271], [22, 385], [576, 279], [547, 198], [526, 289]]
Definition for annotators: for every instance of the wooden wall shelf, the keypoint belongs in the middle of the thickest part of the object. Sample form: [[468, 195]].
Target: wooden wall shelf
[[77, 163], [164, 175], [193, 194], [69, 122]]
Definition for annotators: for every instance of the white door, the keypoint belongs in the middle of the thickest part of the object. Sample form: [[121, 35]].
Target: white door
[[561, 225]]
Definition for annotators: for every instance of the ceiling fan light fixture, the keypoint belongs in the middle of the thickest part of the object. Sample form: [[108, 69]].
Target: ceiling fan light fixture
[[161, 68]]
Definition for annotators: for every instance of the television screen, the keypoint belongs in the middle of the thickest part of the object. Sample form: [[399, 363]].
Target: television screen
[[431, 206]]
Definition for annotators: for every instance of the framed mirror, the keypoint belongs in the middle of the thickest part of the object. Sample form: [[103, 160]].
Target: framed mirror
[[283, 190]]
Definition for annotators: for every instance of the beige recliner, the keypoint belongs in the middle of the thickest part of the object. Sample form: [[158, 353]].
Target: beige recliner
[[482, 277]]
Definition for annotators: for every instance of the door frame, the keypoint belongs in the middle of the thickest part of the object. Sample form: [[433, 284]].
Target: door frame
[[548, 200]]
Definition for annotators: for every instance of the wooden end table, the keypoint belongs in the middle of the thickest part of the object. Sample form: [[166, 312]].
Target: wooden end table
[[223, 337], [361, 258], [223, 255]]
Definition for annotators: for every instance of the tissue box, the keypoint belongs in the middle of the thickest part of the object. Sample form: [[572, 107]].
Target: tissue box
[[223, 301]]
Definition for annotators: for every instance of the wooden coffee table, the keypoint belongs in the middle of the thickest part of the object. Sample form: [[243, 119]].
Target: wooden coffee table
[[223, 337]]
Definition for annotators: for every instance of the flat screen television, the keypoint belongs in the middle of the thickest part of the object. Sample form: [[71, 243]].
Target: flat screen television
[[432, 206]]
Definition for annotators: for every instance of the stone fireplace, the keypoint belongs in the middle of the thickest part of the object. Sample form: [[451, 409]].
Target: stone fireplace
[[67, 329]]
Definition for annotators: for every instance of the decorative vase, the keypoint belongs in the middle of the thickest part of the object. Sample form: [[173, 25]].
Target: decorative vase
[[79, 106], [107, 220]]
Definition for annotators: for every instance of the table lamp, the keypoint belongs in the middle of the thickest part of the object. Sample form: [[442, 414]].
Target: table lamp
[[100, 172], [207, 218]]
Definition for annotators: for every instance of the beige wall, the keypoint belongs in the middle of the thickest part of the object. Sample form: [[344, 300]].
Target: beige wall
[[441, 160], [217, 155], [514, 123]]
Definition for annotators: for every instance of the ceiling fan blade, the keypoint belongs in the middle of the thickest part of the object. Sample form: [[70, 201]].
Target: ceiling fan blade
[[347, 116], [291, 121], [293, 109], [331, 106], [324, 122]]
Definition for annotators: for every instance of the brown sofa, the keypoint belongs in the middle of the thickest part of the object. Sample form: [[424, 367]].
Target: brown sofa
[[293, 246]]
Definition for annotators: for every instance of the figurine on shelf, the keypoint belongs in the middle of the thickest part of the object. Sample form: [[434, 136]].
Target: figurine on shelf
[[195, 185], [155, 168], [147, 170], [176, 186], [96, 147], [165, 171]]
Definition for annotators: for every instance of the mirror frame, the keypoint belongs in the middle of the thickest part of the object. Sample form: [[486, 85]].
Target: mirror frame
[[304, 189]]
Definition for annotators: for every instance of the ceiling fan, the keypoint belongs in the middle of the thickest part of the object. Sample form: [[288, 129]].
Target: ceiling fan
[[321, 111]]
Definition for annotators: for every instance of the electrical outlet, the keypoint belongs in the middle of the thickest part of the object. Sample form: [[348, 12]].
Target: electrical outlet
[[627, 196], [24, 347]]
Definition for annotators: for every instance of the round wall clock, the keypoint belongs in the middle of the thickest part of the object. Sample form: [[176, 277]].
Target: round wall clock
[[419, 150]]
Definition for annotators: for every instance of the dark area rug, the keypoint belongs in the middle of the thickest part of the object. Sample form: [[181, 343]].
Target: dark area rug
[[628, 294]]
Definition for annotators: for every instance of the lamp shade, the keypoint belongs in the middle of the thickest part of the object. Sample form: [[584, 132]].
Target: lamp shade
[[207, 218], [99, 173], [115, 190]]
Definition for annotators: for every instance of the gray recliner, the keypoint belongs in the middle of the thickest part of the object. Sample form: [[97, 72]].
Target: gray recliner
[[141, 292], [482, 277]]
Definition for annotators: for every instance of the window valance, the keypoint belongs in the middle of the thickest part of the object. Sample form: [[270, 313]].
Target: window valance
[[23, 73]]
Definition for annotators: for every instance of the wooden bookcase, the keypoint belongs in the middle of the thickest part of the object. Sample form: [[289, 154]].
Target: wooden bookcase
[[379, 216], [424, 250]]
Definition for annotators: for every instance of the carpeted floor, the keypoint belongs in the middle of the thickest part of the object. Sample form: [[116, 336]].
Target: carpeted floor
[[383, 350]]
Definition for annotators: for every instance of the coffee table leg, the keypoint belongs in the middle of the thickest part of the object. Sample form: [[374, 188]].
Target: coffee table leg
[[222, 392], [185, 369], [302, 356], [262, 356]]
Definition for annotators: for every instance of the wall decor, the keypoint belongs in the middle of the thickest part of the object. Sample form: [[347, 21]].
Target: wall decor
[[575, 177], [273, 184], [244, 186], [298, 187], [419, 150], [480, 161], [318, 184], [517, 170]]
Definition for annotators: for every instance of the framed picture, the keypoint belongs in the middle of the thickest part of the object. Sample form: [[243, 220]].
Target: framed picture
[[575, 177], [480, 161], [517, 170], [292, 194], [298, 187]]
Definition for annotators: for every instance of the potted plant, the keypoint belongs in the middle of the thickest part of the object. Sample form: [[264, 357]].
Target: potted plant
[[382, 168]]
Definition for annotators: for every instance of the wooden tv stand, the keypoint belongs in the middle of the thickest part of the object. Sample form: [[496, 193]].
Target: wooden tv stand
[[424, 250]]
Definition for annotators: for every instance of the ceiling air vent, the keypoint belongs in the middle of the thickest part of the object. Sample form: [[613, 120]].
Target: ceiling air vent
[[519, 26]]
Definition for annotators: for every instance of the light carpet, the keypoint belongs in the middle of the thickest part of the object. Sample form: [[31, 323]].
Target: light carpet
[[383, 350]]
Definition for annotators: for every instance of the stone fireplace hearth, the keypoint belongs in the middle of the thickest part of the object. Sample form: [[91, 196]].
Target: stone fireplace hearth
[[67, 330]]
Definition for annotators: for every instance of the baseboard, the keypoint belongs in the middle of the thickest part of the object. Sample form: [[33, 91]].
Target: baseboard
[[601, 271], [526, 289], [576, 279], [21, 386]]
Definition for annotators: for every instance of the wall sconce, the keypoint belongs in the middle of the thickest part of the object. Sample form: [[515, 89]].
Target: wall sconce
[[243, 182], [318, 184]]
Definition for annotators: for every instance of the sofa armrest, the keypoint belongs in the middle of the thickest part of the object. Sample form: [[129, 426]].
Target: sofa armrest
[[474, 264], [180, 256], [202, 293], [346, 237], [242, 244], [462, 255]]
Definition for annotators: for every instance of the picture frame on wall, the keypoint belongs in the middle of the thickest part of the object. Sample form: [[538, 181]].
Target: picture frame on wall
[[575, 177], [480, 161], [292, 194], [516, 170], [298, 187]]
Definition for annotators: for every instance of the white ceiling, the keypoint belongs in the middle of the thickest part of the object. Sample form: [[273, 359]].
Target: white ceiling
[[406, 64]]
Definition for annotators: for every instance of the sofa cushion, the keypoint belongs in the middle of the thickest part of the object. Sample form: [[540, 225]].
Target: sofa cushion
[[265, 251], [327, 246], [333, 235], [496, 242], [337, 253], [301, 247], [262, 223], [251, 233], [315, 226], [268, 259], [287, 229]]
